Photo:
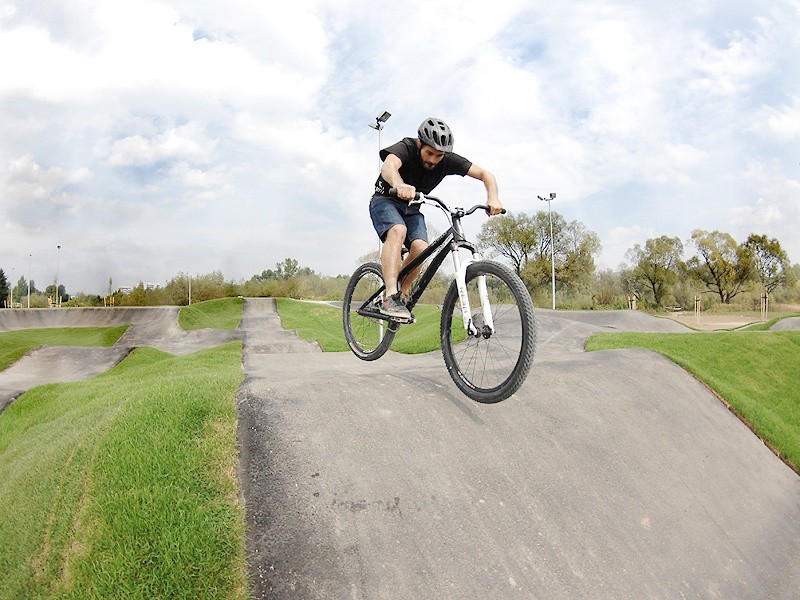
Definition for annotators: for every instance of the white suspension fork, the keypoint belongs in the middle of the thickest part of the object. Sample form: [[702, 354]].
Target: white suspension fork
[[463, 295]]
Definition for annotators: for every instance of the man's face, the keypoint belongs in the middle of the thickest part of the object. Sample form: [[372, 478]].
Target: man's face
[[431, 157]]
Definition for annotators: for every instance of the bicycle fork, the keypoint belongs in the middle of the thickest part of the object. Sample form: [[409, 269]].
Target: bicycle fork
[[466, 310]]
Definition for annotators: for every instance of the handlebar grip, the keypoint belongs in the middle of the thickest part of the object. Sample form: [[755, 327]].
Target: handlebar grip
[[484, 207], [393, 194]]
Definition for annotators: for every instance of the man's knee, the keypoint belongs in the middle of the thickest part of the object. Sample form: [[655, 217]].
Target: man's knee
[[418, 247], [396, 233]]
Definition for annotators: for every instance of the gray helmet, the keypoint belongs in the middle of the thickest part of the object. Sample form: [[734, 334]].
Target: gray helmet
[[435, 133]]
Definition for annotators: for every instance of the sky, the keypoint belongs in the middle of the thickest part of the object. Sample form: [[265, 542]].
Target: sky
[[152, 138]]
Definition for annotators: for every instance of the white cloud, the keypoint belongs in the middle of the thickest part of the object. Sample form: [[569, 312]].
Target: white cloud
[[36, 196], [783, 121], [618, 240], [761, 214], [186, 142]]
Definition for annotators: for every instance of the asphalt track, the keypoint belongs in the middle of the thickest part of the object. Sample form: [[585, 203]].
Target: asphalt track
[[608, 475], [155, 327]]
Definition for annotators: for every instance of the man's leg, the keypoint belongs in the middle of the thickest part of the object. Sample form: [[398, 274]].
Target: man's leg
[[417, 248], [391, 255]]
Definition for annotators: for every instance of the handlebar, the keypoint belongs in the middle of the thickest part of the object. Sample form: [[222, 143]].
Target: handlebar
[[420, 198]]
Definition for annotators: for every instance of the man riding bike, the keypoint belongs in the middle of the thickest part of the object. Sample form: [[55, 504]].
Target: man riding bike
[[415, 165]]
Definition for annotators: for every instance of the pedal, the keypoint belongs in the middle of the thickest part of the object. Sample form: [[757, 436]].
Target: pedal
[[401, 321]]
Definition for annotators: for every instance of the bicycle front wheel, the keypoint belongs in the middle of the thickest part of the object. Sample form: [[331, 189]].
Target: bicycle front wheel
[[369, 338], [491, 365]]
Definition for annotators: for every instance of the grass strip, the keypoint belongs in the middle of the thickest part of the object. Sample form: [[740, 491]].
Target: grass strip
[[15, 344], [756, 373], [224, 313], [323, 323], [125, 485]]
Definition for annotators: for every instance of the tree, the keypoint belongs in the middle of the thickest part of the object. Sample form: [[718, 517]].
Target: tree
[[654, 267], [607, 289], [724, 266], [21, 289], [3, 286], [50, 291], [575, 251], [512, 236], [770, 261], [525, 240], [288, 269]]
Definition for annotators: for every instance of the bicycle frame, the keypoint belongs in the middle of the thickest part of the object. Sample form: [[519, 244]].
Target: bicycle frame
[[449, 242]]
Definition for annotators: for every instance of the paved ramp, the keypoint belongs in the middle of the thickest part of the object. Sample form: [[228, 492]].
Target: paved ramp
[[792, 323], [608, 475], [156, 327]]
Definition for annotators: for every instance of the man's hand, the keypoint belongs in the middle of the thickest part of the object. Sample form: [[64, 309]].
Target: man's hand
[[406, 192], [495, 207]]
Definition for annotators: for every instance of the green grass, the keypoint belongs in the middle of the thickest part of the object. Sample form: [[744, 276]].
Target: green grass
[[323, 323], [225, 313], [124, 486], [756, 373], [15, 344]]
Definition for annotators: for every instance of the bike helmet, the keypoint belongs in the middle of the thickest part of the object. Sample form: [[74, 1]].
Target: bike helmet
[[435, 133]]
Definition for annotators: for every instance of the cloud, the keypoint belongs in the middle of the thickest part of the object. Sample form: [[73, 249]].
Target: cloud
[[781, 121], [761, 214], [619, 240], [37, 197], [186, 142]]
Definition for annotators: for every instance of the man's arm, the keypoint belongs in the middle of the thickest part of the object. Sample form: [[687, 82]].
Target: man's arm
[[390, 171], [491, 187]]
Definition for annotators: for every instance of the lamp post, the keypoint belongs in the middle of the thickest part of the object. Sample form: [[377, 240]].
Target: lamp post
[[29, 280], [552, 244], [378, 126], [56, 295]]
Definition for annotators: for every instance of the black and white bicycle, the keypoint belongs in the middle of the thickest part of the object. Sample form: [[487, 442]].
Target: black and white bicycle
[[488, 326]]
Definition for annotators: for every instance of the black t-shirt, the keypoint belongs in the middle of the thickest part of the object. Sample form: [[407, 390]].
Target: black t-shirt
[[414, 172]]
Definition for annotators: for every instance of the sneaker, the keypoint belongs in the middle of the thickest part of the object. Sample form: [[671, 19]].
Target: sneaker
[[393, 307]]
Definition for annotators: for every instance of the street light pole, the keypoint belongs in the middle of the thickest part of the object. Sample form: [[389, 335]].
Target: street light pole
[[552, 244], [378, 126], [29, 280], [57, 296]]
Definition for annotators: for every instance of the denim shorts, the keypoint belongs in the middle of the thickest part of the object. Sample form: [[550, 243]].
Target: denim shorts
[[387, 212]]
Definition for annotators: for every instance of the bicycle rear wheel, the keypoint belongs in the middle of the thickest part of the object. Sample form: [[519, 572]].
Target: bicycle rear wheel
[[492, 365], [369, 338]]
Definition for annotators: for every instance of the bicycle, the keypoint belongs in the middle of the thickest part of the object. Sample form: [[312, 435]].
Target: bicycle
[[489, 355]]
